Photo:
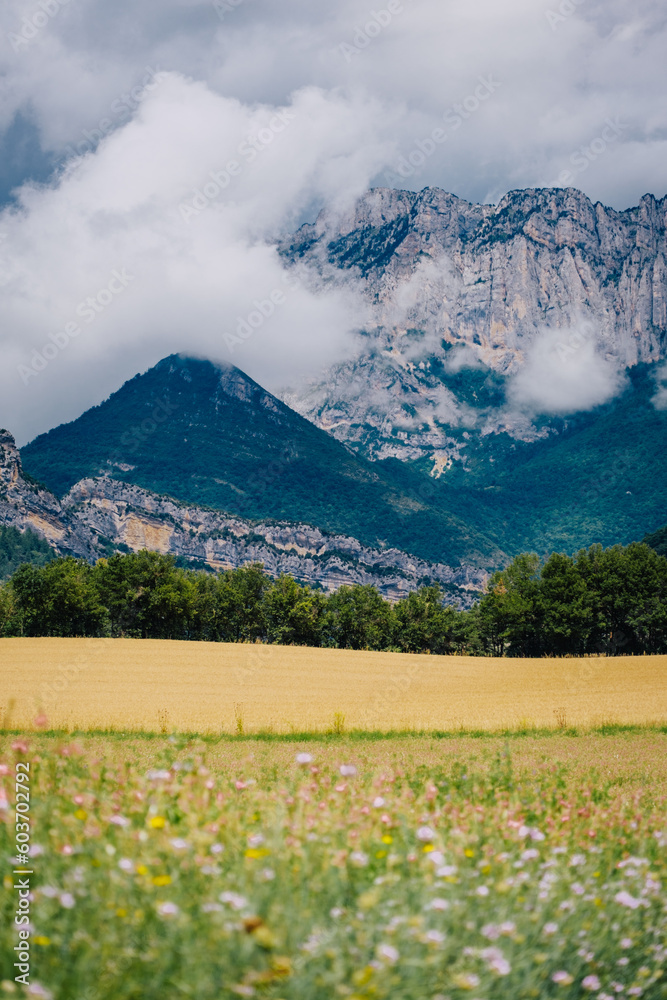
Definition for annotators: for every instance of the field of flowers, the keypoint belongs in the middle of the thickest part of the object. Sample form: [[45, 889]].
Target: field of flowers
[[172, 868]]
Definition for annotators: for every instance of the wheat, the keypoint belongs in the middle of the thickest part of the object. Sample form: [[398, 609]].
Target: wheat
[[114, 684]]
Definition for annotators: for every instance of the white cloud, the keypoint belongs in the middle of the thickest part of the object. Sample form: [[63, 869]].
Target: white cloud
[[660, 398], [564, 373], [194, 251], [557, 83], [554, 87]]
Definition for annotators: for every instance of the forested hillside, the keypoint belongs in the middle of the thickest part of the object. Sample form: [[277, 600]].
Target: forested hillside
[[18, 547]]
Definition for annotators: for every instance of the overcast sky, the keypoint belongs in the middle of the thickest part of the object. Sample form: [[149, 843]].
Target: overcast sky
[[113, 115]]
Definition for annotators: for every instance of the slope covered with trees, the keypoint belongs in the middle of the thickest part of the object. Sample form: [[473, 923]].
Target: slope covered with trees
[[18, 547], [211, 436]]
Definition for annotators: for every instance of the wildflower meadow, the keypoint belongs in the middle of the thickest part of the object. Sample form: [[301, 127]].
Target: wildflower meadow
[[174, 867]]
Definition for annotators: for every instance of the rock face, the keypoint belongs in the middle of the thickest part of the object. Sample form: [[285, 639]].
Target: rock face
[[99, 516], [439, 272], [24, 504]]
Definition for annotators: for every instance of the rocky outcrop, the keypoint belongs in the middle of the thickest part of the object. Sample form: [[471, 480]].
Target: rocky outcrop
[[99, 516], [24, 503], [439, 272]]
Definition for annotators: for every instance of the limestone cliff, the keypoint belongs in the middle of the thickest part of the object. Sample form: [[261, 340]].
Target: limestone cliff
[[439, 272], [102, 515]]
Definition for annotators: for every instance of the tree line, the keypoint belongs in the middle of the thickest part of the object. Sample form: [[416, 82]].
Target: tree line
[[607, 601]]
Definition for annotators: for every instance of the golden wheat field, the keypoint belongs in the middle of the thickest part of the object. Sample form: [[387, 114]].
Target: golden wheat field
[[153, 685]]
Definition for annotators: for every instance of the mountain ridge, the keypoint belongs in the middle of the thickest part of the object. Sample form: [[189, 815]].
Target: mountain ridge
[[210, 436], [98, 517], [441, 273]]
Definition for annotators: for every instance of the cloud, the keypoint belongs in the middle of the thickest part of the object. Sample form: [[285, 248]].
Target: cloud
[[160, 241], [660, 398], [159, 102], [460, 357], [558, 81], [564, 373]]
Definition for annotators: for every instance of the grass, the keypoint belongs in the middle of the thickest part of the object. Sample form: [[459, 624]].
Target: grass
[[255, 690], [408, 867]]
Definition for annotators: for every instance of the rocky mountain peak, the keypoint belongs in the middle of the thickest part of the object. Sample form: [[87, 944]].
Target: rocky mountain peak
[[439, 272], [10, 460]]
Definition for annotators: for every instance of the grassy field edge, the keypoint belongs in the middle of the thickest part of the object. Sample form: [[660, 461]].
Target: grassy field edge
[[359, 735]]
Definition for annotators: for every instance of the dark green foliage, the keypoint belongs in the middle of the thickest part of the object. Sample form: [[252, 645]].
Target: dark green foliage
[[237, 605], [359, 618], [8, 620], [293, 615], [212, 437], [608, 601], [424, 625], [599, 476], [148, 597], [59, 599], [18, 547], [658, 541]]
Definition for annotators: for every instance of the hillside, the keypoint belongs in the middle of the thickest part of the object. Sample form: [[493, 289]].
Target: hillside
[[18, 547], [595, 477], [209, 435], [98, 517]]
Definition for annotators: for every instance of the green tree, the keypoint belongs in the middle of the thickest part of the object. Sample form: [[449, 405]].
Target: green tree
[[293, 615], [59, 599], [18, 547], [359, 618], [627, 590], [424, 625], [238, 609], [565, 608], [509, 610], [8, 617], [148, 597]]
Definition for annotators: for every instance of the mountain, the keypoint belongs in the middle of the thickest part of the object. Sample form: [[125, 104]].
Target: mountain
[[98, 517], [462, 299], [459, 296], [420, 443], [598, 476], [207, 435]]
